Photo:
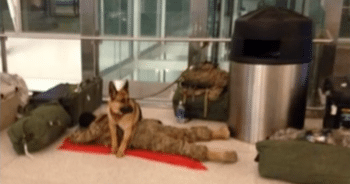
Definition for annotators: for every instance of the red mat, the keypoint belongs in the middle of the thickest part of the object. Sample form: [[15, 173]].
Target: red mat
[[178, 160]]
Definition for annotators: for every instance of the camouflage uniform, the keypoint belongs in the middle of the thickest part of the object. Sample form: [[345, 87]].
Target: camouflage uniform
[[151, 135]]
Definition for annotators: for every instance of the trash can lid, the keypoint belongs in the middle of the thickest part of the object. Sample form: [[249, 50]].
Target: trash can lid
[[272, 36]]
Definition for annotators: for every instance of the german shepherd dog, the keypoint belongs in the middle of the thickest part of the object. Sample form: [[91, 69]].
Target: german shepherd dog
[[124, 113]]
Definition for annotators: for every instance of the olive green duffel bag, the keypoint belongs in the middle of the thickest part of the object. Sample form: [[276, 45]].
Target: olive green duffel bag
[[197, 107], [203, 91], [39, 128], [304, 162]]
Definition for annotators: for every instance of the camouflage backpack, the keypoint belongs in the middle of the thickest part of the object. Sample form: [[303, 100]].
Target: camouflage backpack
[[203, 89]]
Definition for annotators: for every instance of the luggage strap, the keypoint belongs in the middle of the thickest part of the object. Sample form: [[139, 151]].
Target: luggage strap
[[24, 141], [206, 100]]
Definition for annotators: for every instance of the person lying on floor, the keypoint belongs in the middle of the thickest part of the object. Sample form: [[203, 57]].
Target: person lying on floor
[[152, 135]]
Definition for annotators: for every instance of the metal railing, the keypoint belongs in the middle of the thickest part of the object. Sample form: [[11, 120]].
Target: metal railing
[[130, 38], [3, 38]]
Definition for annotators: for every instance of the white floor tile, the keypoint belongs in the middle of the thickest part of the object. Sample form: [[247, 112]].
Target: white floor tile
[[7, 153]]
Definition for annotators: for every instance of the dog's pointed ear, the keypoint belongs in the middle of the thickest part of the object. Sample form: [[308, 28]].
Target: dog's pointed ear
[[112, 90], [126, 86]]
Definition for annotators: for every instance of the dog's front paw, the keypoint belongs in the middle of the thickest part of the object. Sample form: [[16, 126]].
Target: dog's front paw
[[119, 154], [114, 151]]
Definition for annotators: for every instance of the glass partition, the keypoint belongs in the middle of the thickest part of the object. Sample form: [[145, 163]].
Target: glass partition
[[115, 17], [311, 8], [144, 61], [149, 17], [345, 20], [54, 16], [44, 63], [6, 16], [42, 59], [113, 53], [177, 51], [177, 14]]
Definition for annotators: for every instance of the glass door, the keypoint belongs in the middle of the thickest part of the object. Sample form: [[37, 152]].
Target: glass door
[[149, 65]]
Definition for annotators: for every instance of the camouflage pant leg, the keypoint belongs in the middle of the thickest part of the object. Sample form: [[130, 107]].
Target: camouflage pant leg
[[150, 135], [193, 134]]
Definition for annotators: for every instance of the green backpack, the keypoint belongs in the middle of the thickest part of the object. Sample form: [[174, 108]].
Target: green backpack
[[39, 128]]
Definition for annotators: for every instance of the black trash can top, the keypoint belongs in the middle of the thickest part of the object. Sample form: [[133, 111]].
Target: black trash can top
[[272, 36]]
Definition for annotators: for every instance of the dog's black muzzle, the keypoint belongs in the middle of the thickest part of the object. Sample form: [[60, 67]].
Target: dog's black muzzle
[[126, 109]]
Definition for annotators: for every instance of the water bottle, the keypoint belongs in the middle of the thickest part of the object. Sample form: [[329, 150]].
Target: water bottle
[[180, 113]]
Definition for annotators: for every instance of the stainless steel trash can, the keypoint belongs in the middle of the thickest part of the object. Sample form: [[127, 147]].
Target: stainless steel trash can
[[270, 56]]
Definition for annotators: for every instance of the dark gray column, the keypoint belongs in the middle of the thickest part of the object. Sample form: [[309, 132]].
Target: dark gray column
[[89, 27], [3, 45]]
